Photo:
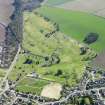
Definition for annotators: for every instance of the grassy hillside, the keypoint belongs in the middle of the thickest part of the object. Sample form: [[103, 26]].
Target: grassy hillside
[[77, 24], [56, 58]]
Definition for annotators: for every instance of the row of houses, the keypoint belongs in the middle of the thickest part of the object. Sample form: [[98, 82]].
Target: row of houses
[[11, 36]]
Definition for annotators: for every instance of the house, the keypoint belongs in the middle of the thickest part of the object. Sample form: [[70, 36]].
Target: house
[[10, 30]]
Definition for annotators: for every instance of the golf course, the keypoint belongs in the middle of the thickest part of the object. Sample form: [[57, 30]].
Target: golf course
[[56, 58]]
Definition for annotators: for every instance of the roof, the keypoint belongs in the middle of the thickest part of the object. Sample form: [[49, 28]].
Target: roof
[[2, 33]]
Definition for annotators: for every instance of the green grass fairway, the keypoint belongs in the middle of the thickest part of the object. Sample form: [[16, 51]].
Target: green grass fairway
[[56, 2], [77, 24]]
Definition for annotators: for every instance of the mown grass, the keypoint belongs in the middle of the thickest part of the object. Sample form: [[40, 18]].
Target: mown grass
[[2, 72], [68, 52], [31, 85], [77, 24]]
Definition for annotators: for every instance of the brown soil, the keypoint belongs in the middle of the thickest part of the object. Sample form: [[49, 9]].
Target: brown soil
[[99, 61], [97, 7], [6, 10]]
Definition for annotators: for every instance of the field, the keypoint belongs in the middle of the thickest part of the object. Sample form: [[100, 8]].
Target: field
[[31, 85], [77, 24], [96, 7], [6, 12], [55, 58], [54, 90], [99, 61], [56, 2], [2, 73]]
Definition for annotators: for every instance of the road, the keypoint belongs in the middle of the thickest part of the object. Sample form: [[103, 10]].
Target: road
[[10, 68]]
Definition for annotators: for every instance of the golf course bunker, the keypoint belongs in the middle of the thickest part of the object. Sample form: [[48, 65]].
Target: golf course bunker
[[52, 90], [6, 10]]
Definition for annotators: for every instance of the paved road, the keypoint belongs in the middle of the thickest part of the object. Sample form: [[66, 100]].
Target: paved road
[[11, 68]]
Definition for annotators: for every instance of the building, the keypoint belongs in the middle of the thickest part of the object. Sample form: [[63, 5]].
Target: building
[[11, 21]]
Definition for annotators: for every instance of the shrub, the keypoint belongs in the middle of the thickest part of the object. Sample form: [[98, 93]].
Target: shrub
[[91, 38]]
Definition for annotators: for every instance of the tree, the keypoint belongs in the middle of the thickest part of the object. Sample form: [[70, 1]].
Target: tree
[[59, 72], [86, 101], [91, 38]]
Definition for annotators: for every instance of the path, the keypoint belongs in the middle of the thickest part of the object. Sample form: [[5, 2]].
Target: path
[[11, 68]]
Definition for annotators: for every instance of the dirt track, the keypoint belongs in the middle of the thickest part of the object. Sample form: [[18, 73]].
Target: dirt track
[[97, 7]]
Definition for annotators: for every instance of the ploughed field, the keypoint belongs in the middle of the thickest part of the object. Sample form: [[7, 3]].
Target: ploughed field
[[96, 7], [56, 2], [49, 55], [6, 10], [99, 61], [77, 24]]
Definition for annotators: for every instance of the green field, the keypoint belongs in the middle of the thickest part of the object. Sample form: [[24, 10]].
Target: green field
[[56, 2], [31, 85], [2, 72], [77, 24], [71, 63]]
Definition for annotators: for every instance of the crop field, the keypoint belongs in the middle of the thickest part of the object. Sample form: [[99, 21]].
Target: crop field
[[99, 61], [31, 85], [56, 58], [96, 7], [77, 24], [56, 2]]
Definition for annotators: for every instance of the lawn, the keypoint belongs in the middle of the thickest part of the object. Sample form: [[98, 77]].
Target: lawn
[[31, 85], [56, 2], [77, 24], [2, 72], [67, 51], [58, 45]]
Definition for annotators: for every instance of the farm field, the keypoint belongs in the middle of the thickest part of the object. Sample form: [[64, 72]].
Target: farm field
[[55, 58], [77, 24], [31, 85], [99, 61], [56, 2], [96, 7]]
